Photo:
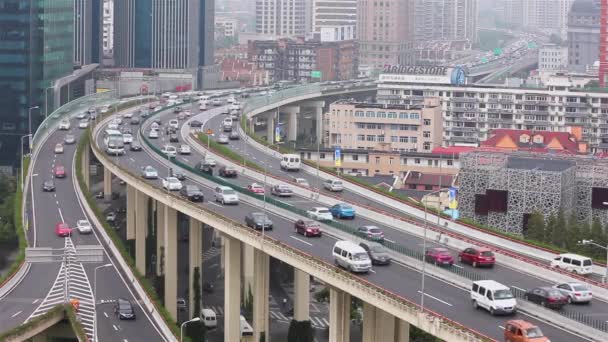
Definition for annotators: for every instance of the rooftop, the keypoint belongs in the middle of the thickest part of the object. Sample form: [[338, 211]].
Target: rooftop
[[551, 165]]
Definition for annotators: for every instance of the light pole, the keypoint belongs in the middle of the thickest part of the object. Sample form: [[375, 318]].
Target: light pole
[[95, 294], [22, 179], [590, 242], [181, 328], [29, 120]]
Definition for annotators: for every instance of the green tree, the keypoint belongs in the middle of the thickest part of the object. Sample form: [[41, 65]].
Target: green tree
[[573, 232], [247, 304], [559, 232], [196, 286], [196, 331], [598, 235], [536, 226], [550, 228], [300, 331]]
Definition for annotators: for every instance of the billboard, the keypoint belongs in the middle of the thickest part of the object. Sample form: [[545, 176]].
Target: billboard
[[423, 74]]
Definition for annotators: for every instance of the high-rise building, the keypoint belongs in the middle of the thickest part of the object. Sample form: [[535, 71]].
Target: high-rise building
[[604, 43], [385, 30], [108, 27], [552, 57], [36, 49], [446, 20], [88, 19], [163, 34], [280, 17], [513, 12], [583, 35], [335, 20], [546, 14]]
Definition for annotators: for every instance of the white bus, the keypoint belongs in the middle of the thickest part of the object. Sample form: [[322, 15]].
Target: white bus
[[114, 142]]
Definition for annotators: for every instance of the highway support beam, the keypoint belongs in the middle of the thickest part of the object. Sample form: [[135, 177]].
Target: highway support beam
[[339, 315], [86, 166], [292, 121], [232, 289], [141, 229], [107, 184], [301, 309], [131, 212], [380, 326], [248, 269], [170, 232], [160, 238], [270, 124], [318, 106], [260, 296], [195, 243]]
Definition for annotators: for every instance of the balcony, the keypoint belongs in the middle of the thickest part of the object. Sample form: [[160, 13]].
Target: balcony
[[463, 139], [577, 105], [577, 115], [457, 109], [505, 101], [464, 100]]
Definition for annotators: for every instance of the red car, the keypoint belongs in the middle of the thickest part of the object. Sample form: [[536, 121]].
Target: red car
[[63, 230], [307, 228], [256, 188], [477, 257], [59, 171], [439, 256]]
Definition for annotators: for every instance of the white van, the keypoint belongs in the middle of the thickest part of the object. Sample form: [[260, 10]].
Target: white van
[[573, 263], [351, 256], [290, 162], [246, 329], [209, 318], [227, 122], [334, 185], [493, 296]]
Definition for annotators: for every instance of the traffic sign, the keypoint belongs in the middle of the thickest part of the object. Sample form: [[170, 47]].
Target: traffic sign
[[337, 157], [277, 134], [315, 74], [209, 131]]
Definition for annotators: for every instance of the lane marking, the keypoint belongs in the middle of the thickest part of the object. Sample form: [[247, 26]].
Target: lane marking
[[435, 298], [501, 327], [215, 204], [60, 214], [458, 266], [391, 241], [302, 241], [35, 175], [35, 301], [16, 314], [372, 270], [105, 314], [114, 326]]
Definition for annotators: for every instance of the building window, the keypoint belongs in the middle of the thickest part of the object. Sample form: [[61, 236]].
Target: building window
[[371, 138], [377, 160], [426, 146], [359, 114], [355, 157], [426, 134], [417, 161], [427, 122], [415, 116], [381, 138], [360, 137], [371, 114], [394, 138], [450, 162], [322, 156], [429, 162], [404, 139], [381, 115], [390, 161], [403, 161]]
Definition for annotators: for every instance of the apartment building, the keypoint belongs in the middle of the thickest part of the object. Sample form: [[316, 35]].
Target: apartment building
[[384, 127], [285, 18], [446, 20], [583, 35], [334, 20], [552, 57], [226, 27]]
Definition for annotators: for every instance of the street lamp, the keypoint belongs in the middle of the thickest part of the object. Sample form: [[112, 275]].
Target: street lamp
[[590, 242], [95, 294], [181, 328], [22, 179], [29, 116]]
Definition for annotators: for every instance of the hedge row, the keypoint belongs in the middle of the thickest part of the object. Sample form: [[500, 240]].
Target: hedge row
[[34, 323]]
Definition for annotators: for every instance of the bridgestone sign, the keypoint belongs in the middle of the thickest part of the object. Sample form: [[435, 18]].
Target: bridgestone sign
[[416, 70]]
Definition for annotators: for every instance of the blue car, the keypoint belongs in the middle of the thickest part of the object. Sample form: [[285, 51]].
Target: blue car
[[342, 211]]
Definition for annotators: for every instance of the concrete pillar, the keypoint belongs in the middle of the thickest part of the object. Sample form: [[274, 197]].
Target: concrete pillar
[[107, 184], [232, 289], [160, 238], [86, 166], [319, 119], [385, 326], [292, 122], [247, 269], [402, 330], [131, 212], [270, 124], [339, 316], [170, 232], [141, 228], [195, 242], [369, 323], [301, 309], [260, 295]]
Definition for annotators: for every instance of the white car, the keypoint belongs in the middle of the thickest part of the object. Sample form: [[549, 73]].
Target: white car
[[64, 125], [187, 113], [169, 150], [82, 115], [113, 125], [153, 134], [156, 109], [230, 99], [174, 123], [105, 109], [128, 115], [172, 184], [184, 149], [216, 102], [209, 161], [127, 138], [84, 123], [301, 182], [576, 292], [84, 227], [149, 172], [59, 148], [320, 214]]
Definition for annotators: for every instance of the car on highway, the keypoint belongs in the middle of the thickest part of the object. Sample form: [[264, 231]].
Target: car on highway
[[128, 115], [307, 228], [111, 217], [234, 135], [58, 148], [187, 113], [575, 292], [123, 309], [376, 252], [135, 146], [173, 138], [84, 123], [84, 227], [181, 116], [59, 171], [184, 149], [493, 296], [546, 296], [62, 229], [48, 186], [69, 139], [174, 123], [225, 111], [149, 172], [172, 184], [127, 138], [135, 120], [178, 173], [517, 330], [228, 172], [153, 134], [573, 263], [216, 102], [169, 150], [64, 125], [222, 139], [256, 188], [334, 185], [342, 211], [281, 190], [371, 233], [258, 221], [192, 193], [302, 182], [195, 124], [126, 130], [155, 124], [477, 257], [82, 115], [226, 195], [320, 214], [351, 256], [209, 161], [439, 256]]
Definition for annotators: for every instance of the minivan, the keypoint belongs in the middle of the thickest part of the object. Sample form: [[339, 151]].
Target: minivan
[[246, 329], [209, 318], [334, 185], [226, 195], [493, 296], [573, 263], [290, 162], [351, 256]]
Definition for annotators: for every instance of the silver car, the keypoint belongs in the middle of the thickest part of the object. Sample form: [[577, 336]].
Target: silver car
[[149, 172], [576, 292], [222, 139]]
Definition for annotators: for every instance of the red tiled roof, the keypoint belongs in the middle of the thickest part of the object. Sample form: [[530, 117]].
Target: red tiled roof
[[428, 179], [565, 139]]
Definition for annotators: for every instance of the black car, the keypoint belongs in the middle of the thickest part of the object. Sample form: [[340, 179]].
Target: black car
[[48, 185], [123, 309], [547, 296], [200, 166], [234, 135], [196, 123], [170, 130], [258, 221], [135, 146], [179, 174], [173, 138], [228, 172], [193, 193], [377, 253], [135, 120]]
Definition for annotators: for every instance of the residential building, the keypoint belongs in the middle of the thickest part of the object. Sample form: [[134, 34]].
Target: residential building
[[470, 112], [552, 57], [603, 62], [385, 30], [227, 27], [513, 12], [334, 20], [294, 60], [244, 72], [583, 35], [108, 27], [285, 18], [446, 20], [546, 14], [88, 34], [384, 127], [536, 141], [440, 52]]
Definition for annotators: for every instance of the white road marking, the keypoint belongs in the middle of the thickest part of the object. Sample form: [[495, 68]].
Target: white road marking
[[34, 175], [391, 241], [501, 327], [124, 340], [60, 214], [105, 314], [215, 204], [457, 266], [302, 241], [16, 314], [114, 326], [372, 270], [35, 301], [283, 202], [437, 299], [133, 160]]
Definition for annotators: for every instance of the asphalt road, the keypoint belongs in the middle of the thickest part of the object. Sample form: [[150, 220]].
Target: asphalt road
[[440, 297]]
